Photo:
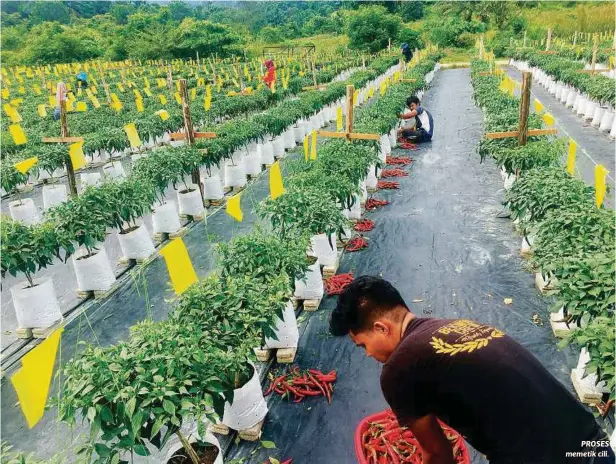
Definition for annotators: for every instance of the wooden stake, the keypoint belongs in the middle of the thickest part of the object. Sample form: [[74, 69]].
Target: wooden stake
[[595, 47], [524, 107], [548, 41], [189, 131], [574, 38], [70, 172]]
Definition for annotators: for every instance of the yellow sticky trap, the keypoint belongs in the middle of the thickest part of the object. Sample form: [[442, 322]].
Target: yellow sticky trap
[[32, 381], [548, 119], [160, 82], [5, 93], [306, 148], [275, 181], [25, 165], [313, 148], [193, 94], [164, 114], [571, 156], [147, 92], [139, 104], [178, 99], [18, 134], [234, 208], [163, 99], [78, 158], [12, 113], [146, 82], [116, 105], [133, 137], [94, 90], [600, 186], [181, 271], [42, 112], [355, 97], [16, 102], [208, 102], [538, 106], [137, 93], [236, 83], [339, 119], [200, 82], [120, 87], [95, 101], [81, 106], [383, 88], [208, 90], [22, 89], [231, 93]]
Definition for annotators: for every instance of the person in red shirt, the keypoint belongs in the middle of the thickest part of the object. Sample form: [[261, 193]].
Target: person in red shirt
[[270, 73]]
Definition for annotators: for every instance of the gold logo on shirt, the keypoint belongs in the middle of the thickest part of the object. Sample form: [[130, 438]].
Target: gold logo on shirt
[[472, 336]]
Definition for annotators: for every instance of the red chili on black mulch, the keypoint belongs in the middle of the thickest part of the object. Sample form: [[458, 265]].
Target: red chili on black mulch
[[373, 203], [365, 225], [393, 173], [387, 185], [336, 284], [356, 243], [399, 160]]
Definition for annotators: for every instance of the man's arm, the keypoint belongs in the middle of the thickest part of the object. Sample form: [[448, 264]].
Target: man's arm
[[410, 115], [434, 444]]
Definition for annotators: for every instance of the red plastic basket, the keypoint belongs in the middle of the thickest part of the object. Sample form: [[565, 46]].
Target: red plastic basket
[[364, 424]]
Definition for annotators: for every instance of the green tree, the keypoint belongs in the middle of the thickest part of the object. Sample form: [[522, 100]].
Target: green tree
[[179, 10], [206, 38], [411, 37], [49, 11], [271, 34], [410, 11], [371, 27]]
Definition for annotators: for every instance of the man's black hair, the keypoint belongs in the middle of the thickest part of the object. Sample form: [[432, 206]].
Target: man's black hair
[[412, 99], [364, 300]]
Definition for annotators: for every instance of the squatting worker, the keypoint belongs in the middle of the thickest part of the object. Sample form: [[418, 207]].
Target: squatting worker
[[424, 125], [81, 80], [270, 73], [472, 376], [406, 52]]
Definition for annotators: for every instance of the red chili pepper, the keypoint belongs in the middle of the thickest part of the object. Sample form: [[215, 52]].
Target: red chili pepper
[[399, 160], [336, 284], [387, 185], [393, 173], [372, 204], [288, 461], [364, 225], [356, 243]]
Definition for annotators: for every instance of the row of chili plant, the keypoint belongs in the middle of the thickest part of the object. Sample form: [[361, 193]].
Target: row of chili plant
[[569, 241]]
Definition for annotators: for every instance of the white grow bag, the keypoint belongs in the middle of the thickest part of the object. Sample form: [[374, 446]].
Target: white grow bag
[[597, 116], [212, 188], [113, 171], [190, 202], [371, 179], [589, 382], [209, 438], [589, 110], [265, 152], [354, 212], [252, 163], [286, 330], [90, 178], [607, 120], [24, 211], [312, 287], [136, 244], [165, 218], [53, 195], [235, 175], [278, 144], [327, 254], [36, 307], [249, 406], [289, 138], [93, 272]]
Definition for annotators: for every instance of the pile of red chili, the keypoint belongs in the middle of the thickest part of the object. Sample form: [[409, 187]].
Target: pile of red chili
[[399, 160], [385, 442], [364, 225], [288, 461], [301, 384], [336, 284], [387, 184], [372, 204], [393, 173], [356, 243]]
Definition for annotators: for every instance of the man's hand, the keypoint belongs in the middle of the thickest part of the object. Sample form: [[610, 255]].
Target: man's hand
[[434, 444]]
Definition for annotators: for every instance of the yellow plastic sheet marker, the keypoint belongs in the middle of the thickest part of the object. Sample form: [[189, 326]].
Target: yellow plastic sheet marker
[[208, 102], [81, 106], [339, 119], [139, 104], [78, 158], [42, 112], [178, 99], [25, 165], [355, 97], [571, 156], [32, 381], [5, 93], [133, 136], [163, 99], [164, 114], [18, 134], [306, 148], [548, 119], [600, 187], [234, 208], [95, 101], [147, 91], [313, 147], [181, 271], [538, 106], [275, 181], [193, 93]]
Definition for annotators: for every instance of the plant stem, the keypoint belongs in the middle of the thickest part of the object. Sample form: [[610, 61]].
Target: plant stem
[[187, 446]]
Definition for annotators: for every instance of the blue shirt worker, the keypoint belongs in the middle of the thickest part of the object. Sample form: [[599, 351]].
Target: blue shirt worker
[[424, 126]]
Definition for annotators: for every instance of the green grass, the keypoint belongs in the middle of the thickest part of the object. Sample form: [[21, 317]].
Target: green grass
[[323, 42], [457, 55], [585, 17]]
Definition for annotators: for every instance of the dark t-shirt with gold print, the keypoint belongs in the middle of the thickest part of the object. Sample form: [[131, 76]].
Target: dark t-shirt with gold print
[[486, 386]]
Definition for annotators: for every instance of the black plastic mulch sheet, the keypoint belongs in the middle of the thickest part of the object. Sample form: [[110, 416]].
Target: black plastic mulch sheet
[[440, 243]]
